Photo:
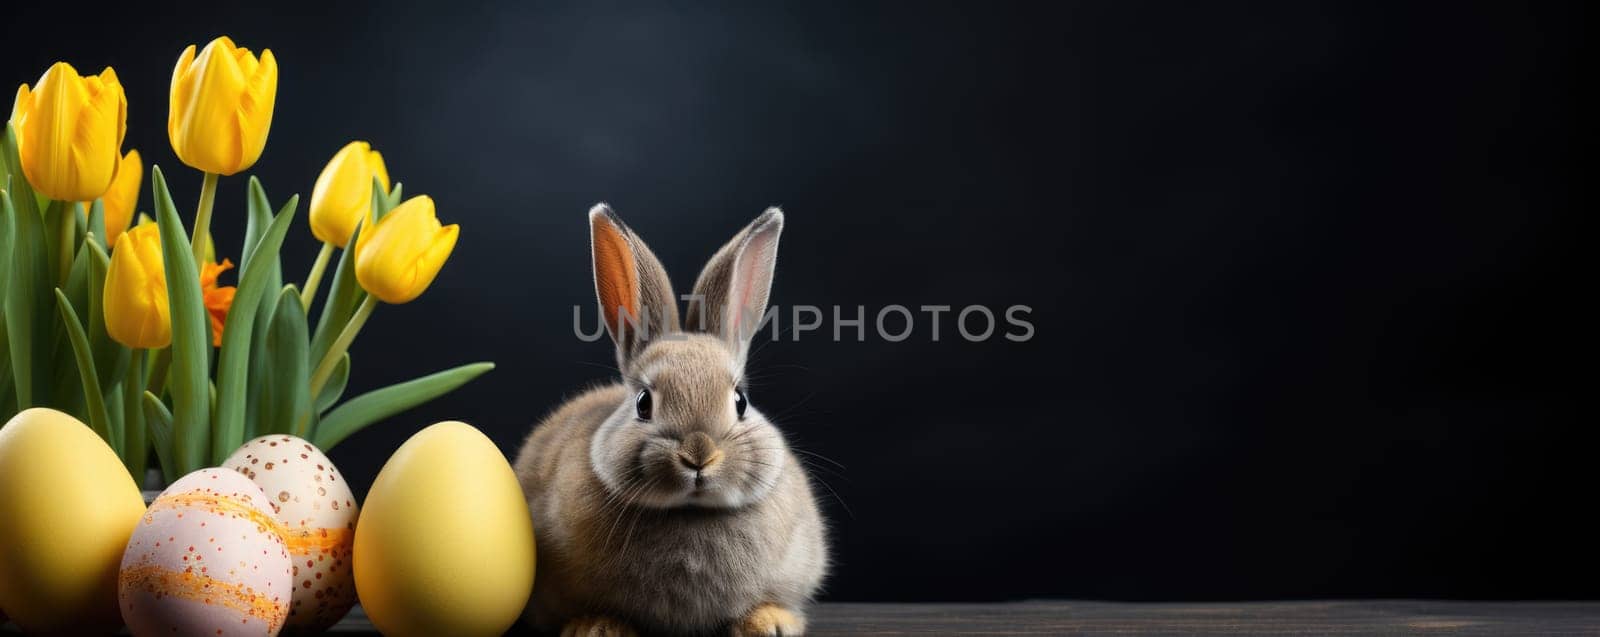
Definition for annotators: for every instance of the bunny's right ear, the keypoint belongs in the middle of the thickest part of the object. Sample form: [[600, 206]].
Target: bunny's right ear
[[636, 300]]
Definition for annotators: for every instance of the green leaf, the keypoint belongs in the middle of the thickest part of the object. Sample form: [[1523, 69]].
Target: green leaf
[[80, 226], [95, 400], [259, 217], [65, 395], [11, 165], [136, 451], [345, 294], [29, 335], [97, 222], [261, 362], [111, 397], [29, 329], [188, 379], [336, 383], [5, 248], [376, 405], [27, 291], [233, 364], [8, 396], [159, 422], [288, 385]]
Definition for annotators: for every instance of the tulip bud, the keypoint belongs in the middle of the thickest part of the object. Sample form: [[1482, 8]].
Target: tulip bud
[[123, 196], [135, 298], [343, 194], [398, 259], [69, 132], [221, 106]]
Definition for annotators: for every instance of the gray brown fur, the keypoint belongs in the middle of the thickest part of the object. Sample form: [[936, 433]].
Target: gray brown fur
[[626, 539]]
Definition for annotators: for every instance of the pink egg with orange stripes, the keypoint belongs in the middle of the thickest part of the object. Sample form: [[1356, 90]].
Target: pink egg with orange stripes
[[317, 516], [206, 559]]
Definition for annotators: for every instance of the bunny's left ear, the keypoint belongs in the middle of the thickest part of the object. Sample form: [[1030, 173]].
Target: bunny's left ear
[[733, 288]]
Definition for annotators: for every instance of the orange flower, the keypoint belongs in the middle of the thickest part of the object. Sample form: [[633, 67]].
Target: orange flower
[[218, 299]]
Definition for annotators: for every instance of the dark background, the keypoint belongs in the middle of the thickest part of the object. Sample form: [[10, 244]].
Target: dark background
[[1304, 277]]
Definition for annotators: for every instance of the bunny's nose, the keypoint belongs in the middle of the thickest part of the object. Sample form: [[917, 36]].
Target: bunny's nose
[[691, 464], [699, 452]]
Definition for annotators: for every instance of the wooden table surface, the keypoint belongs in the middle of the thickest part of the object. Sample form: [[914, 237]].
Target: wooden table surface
[[1381, 617], [1385, 617]]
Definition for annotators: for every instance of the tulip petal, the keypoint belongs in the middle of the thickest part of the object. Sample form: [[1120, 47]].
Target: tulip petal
[[208, 140], [379, 170], [181, 92], [255, 107], [431, 261], [247, 61], [97, 137], [45, 154], [20, 106], [123, 197], [110, 77]]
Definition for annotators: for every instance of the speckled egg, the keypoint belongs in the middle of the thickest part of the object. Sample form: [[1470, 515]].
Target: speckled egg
[[318, 515], [206, 559]]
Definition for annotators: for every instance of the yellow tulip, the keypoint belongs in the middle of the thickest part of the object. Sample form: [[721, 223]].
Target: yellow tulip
[[343, 194], [221, 106], [122, 197], [398, 259], [135, 299], [69, 132]]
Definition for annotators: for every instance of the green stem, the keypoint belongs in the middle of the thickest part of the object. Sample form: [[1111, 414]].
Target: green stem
[[66, 231], [202, 219], [136, 451], [309, 292], [158, 371], [342, 343]]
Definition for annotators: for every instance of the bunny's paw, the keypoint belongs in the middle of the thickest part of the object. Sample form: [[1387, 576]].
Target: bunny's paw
[[597, 627], [770, 620]]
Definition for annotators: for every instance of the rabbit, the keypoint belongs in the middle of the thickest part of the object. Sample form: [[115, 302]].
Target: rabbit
[[665, 502]]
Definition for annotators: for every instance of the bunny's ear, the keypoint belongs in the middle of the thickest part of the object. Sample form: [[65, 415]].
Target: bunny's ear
[[731, 293], [636, 300]]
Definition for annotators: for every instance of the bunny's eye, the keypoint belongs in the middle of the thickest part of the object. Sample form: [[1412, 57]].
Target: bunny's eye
[[644, 406], [739, 402]]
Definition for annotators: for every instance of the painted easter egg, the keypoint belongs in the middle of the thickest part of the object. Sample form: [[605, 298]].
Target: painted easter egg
[[317, 516], [67, 508], [206, 559], [445, 543]]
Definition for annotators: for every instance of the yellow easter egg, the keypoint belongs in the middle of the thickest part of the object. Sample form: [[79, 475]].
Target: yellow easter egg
[[67, 508], [444, 544]]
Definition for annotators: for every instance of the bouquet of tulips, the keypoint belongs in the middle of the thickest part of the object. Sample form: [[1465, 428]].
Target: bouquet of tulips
[[122, 323]]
